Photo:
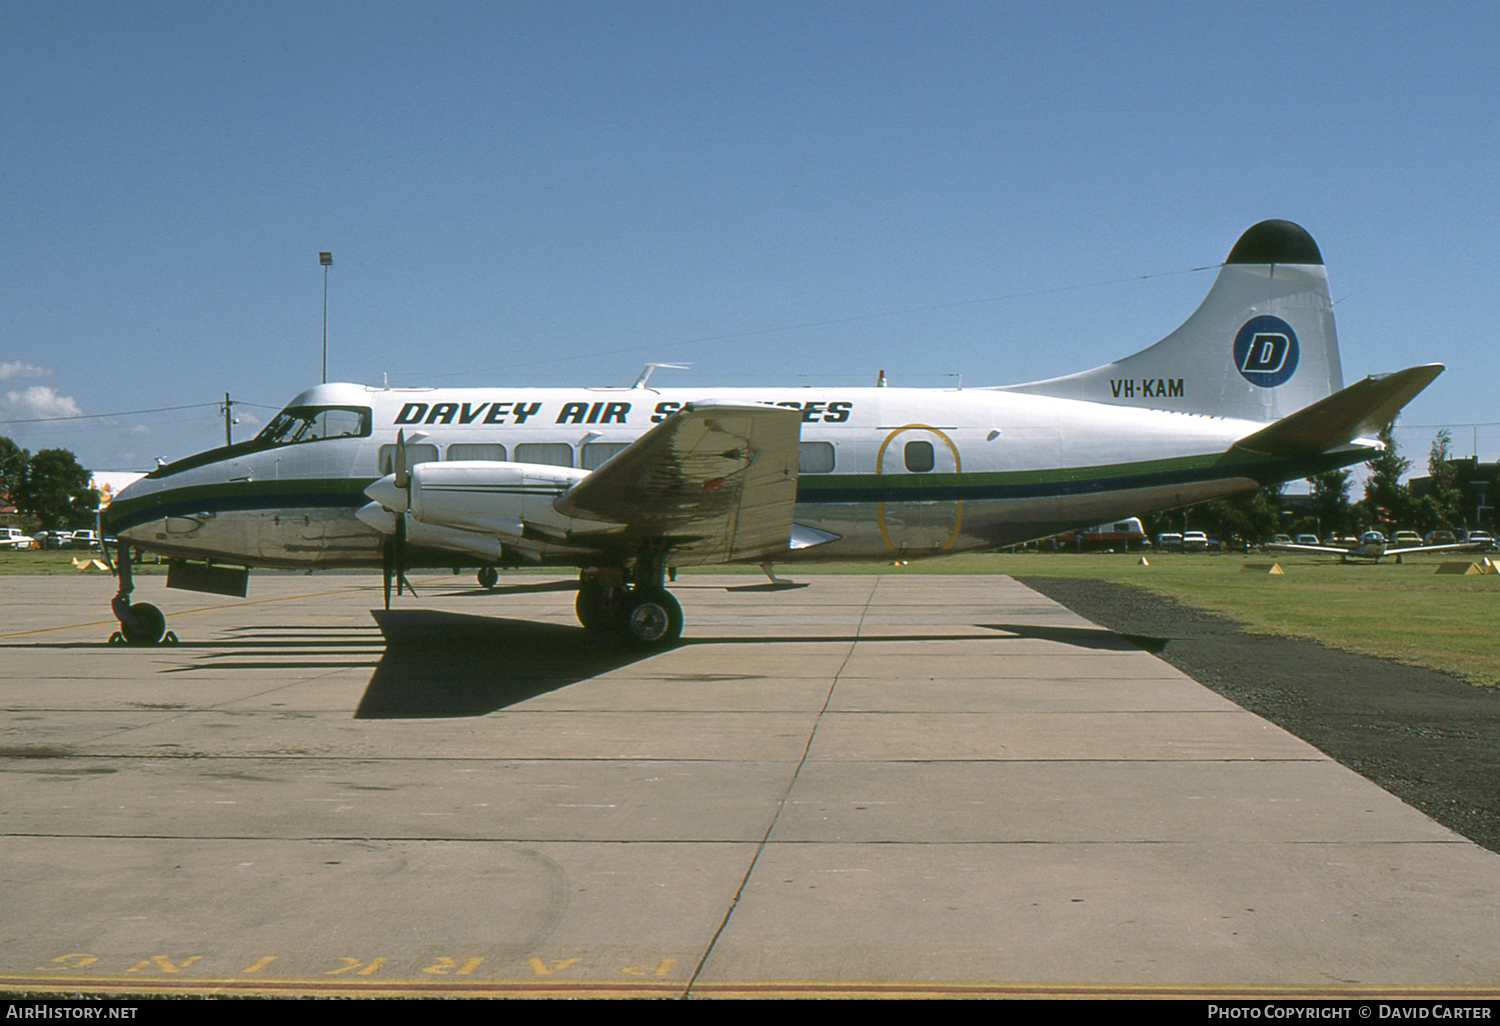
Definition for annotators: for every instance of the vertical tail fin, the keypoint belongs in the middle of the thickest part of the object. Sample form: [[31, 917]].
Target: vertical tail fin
[[1261, 345]]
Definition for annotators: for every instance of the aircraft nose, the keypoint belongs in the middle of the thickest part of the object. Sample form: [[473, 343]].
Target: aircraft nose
[[388, 495]]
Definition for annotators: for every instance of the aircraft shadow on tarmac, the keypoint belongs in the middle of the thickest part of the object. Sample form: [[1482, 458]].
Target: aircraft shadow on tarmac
[[455, 664], [770, 586], [441, 664], [503, 589], [1083, 637]]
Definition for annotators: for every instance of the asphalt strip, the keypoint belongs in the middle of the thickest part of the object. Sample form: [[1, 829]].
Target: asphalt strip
[[1429, 738]]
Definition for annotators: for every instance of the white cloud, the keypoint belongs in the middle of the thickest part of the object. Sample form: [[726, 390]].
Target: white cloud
[[140, 429], [41, 401], [17, 370]]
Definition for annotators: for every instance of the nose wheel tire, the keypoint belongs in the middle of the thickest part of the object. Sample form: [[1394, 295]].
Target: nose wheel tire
[[150, 629], [652, 619], [488, 577]]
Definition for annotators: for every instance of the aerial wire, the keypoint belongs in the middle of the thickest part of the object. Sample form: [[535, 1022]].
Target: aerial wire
[[658, 346]]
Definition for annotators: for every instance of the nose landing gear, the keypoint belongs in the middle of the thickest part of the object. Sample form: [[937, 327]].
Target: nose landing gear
[[141, 623]]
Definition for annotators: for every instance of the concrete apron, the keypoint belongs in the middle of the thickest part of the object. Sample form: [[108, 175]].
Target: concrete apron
[[870, 785]]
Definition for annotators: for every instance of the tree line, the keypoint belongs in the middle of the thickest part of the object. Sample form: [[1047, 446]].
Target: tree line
[[47, 486], [1388, 503]]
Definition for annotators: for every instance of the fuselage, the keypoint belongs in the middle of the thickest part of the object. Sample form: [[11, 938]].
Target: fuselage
[[892, 473]]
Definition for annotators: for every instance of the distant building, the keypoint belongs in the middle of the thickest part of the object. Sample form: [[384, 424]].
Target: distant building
[[1480, 485], [109, 483]]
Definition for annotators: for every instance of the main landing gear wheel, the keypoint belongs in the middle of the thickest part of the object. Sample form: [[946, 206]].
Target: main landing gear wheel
[[593, 606], [488, 577], [652, 619]]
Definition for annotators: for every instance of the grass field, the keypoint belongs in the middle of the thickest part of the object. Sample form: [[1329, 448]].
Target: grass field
[[1406, 612]]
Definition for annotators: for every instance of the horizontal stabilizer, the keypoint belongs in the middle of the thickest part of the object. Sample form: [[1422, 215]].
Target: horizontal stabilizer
[[1360, 410]]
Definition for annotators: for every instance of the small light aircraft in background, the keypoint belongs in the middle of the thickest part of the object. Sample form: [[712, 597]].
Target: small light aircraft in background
[[1372, 545], [627, 484]]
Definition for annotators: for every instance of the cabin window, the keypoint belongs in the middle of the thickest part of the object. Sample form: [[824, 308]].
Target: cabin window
[[919, 457], [414, 454], [493, 451], [551, 454], [815, 458], [315, 424], [596, 454]]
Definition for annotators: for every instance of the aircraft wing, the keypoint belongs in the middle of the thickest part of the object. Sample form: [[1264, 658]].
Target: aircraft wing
[[1472, 547], [715, 482], [1290, 547]]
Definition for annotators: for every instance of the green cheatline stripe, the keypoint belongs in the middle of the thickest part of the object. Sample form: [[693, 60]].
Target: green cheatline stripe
[[1049, 475], [1062, 481], [341, 492], [816, 488]]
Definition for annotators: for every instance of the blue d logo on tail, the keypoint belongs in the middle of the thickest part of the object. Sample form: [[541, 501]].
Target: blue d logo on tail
[[1265, 351]]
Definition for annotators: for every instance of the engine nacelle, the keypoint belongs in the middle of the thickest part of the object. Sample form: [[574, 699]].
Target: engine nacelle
[[498, 499]]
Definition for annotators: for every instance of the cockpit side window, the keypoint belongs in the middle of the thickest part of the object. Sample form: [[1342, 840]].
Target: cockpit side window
[[298, 424], [292, 425]]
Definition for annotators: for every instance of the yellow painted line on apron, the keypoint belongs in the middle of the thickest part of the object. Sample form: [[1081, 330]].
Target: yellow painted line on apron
[[208, 609]]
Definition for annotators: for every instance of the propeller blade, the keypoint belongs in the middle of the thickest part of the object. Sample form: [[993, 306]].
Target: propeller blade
[[403, 473], [399, 546], [387, 569]]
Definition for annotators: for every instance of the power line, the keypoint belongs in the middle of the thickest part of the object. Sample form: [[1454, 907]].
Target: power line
[[830, 323], [1450, 424], [132, 413]]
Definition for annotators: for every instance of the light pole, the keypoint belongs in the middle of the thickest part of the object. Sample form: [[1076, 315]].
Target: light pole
[[326, 259]]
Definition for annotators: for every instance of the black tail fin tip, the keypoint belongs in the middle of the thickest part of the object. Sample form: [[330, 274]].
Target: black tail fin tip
[[1275, 242]]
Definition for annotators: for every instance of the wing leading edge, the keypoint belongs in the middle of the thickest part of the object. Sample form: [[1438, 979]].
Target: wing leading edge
[[715, 482]]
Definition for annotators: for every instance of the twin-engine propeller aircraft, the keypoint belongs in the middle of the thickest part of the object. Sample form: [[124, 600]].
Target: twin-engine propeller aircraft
[[1372, 545], [628, 484]]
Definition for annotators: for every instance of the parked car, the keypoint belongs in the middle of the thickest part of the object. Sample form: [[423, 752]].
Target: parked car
[[1441, 538], [84, 539], [1401, 539], [1308, 539], [53, 539], [1484, 540], [15, 538], [1282, 539], [1194, 541], [1169, 541]]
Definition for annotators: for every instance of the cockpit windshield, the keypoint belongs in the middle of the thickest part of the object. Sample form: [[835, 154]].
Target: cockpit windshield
[[314, 423]]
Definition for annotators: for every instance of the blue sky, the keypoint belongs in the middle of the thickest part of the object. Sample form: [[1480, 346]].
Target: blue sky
[[776, 193]]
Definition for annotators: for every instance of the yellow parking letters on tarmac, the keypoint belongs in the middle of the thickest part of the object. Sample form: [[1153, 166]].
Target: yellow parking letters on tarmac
[[358, 968], [77, 960], [660, 969], [541, 969], [259, 964], [444, 965], [164, 963]]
